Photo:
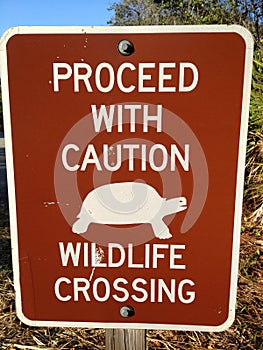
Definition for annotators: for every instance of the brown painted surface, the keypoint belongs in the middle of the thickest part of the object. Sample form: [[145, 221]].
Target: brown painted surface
[[40, 120]]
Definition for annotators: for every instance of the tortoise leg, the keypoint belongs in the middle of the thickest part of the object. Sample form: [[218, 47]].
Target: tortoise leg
[[80, 226], [161, 230]]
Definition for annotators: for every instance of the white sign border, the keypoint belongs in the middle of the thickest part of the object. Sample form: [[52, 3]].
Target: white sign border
[[245, 34]]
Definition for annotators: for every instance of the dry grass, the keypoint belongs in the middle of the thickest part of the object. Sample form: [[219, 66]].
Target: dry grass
[[246, 332]]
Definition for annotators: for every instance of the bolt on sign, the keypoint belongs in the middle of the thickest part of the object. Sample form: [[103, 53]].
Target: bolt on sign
[[125, 155]]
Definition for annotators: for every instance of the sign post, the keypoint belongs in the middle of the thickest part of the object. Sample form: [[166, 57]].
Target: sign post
[[125, 158], [119, 339]]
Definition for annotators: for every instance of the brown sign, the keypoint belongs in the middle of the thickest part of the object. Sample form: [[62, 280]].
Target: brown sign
[[126, 151]]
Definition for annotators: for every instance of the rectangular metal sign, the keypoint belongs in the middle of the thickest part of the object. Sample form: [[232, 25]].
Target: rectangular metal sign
[[125, 159]]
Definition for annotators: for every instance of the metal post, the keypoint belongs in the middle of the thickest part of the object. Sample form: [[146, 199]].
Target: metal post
[[125, 339]]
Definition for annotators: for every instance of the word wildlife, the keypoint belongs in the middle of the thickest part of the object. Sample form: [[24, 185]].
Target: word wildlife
[[121, 289]]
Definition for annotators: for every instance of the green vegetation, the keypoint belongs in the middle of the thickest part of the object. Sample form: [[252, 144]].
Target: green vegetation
[[253, 196], [147, 12]]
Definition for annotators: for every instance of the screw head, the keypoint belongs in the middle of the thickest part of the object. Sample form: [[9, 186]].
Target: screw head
[[125, 47], [127, 311]]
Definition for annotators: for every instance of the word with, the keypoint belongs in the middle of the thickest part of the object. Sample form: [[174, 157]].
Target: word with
[[132, 112]]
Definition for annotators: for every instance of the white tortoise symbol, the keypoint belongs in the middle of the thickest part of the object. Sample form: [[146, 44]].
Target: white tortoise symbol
[[127, 203]]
